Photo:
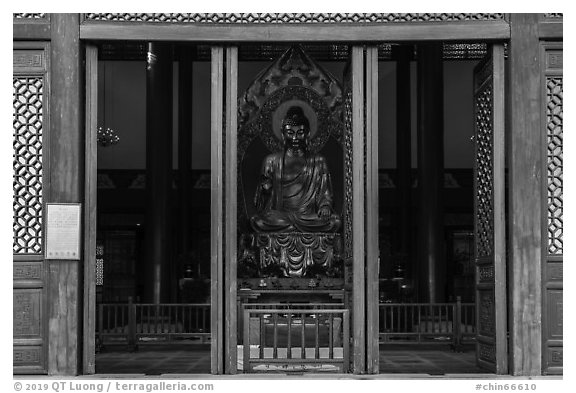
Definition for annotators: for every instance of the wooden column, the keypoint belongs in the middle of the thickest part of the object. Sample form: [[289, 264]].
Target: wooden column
[[158, 171], [372, 249], [231, 208], [525, 195], [403, 55], [217, 211], [430, 171], [66, 179], [184, 152], [358, 212]]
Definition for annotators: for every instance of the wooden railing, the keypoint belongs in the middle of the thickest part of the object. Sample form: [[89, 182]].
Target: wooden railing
[[295, 337], [430, 323], [137, 323]]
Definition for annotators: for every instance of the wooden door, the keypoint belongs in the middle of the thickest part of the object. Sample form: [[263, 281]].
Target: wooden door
[[31, 127], [553, 208], [489, 222]]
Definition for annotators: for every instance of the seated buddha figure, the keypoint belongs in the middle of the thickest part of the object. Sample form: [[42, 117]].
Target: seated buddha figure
[[294, 193]]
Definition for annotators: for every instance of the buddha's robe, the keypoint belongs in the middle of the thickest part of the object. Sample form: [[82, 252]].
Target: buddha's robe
[[294, 199]]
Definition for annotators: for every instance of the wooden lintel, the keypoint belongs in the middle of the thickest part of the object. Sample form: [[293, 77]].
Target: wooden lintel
[[390, 32]]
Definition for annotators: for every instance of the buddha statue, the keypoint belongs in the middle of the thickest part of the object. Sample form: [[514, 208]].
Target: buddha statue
[[294, 193]]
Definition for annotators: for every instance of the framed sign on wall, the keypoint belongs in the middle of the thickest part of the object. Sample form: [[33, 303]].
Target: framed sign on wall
[[63, 231]]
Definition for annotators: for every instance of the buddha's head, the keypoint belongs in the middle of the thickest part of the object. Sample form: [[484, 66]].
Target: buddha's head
[[295, 129]]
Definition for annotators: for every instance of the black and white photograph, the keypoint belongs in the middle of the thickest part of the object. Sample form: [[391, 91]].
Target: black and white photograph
[[305, 196]]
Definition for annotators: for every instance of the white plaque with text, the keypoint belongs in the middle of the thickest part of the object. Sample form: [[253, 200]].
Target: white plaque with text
[[62, 231]]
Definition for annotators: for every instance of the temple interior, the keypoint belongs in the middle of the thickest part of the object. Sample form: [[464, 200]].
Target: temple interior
[[158, 186]]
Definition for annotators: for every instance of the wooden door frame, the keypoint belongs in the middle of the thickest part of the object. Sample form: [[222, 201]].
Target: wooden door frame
[[365, 283], [372, 230], [90, 206]]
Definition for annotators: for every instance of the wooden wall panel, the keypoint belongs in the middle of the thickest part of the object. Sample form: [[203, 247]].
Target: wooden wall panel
[[552, 206], [31, 78], [31, 26]]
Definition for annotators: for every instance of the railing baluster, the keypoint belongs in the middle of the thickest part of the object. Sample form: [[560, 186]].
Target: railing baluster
[[246, 341], [406, 308], [317, 333], [115, 319], [160, 313], [345, 341], [146, 311], [289, 338], [419, 336], [275, 333], [179, 327], [331, 336], [303, 338], [262, 334]]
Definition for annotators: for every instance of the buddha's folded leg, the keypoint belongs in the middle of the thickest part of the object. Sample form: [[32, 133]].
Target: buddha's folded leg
[[272, 221], [313, 223]]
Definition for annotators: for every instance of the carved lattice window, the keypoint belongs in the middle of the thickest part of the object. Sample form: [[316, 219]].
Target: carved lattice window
[[23, 15], [291, 18], [554, 116], [27, 163], [484, 197]]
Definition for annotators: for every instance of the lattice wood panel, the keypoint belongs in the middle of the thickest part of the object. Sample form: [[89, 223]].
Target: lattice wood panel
[[27, 163], [484, 177], [277, 18], [23, 15], [554, 120]]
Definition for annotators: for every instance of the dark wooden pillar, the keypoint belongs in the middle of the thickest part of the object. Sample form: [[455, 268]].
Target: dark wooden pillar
[[66, 186], [525, 195], [403, 55], [184, 151], [158, 172], [430, 172]]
